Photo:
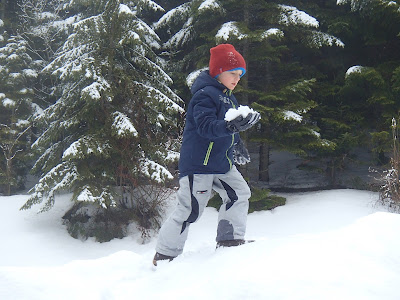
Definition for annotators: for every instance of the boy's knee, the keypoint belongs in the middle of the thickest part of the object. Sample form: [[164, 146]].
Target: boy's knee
[[244, 193]]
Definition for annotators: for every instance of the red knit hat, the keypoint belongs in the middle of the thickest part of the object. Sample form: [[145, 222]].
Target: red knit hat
[[223, 58]]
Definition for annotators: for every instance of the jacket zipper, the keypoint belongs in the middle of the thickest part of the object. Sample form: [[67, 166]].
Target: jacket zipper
[[210, 146]]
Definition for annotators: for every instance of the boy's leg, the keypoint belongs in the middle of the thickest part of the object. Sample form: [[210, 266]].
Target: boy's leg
[[193, 195], [235, 194]]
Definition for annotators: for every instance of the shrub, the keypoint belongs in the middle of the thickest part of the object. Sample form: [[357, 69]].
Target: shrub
[[389, 194], [260, 200]]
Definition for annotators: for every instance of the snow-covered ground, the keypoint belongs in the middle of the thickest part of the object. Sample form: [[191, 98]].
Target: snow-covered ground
[[320, 245]]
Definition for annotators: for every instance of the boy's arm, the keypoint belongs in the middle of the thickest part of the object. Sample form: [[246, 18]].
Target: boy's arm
[[205, 116]]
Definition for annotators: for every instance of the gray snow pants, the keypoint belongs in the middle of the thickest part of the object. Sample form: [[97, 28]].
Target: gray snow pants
[[193, 195]]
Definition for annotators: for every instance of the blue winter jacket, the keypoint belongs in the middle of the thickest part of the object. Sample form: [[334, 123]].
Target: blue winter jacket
[[207, 146]]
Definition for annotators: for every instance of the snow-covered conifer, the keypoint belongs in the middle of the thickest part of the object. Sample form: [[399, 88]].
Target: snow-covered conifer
[[184, 31], [16, 107], [114, 124]]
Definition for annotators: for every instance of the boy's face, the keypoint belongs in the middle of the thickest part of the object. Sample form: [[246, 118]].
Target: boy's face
[[230, 79]]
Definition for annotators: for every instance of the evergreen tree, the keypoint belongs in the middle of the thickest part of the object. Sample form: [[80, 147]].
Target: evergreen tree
[[185, 31], [44, 31], [273, 37], [358, 102], [112, 130], [16, 106], [37, 33]]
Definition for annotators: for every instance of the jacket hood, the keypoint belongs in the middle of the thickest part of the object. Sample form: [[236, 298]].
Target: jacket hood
[[203, 80]]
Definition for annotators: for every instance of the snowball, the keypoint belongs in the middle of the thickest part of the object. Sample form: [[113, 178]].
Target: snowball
[[242, 110]]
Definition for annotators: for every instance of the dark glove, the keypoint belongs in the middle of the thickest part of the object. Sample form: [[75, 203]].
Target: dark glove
[[241, 124], [240, 154]]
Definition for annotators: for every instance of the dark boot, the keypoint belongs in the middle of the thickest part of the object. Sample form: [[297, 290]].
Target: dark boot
[[232, 243], [160, 256]]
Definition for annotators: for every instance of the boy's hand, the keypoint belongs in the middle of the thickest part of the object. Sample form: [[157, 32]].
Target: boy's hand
[[241, 124], [240, 154]]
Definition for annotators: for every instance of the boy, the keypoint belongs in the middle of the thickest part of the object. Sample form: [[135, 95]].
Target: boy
[[209, 147]]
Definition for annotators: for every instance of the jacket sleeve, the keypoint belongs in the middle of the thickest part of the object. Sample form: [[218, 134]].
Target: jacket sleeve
[[205, 114]]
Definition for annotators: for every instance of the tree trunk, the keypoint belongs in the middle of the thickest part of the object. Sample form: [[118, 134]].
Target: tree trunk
[[263, 167], [9, 176], [263, 174]]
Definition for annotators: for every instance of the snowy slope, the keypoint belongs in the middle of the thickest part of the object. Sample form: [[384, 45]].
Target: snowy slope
[[321, 245]]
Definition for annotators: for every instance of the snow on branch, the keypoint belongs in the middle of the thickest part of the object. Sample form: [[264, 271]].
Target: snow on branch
[[182, 36], [151, 4], [174, 15], [85, 146], [122, 125], [229, 29], [154, 170], [152, 92], [354, 69], [71, 59], [290, 115], [290, 15], [57, 179], [360, 5], [48, 156], [192, 76], [208, 4], [154, 68], [272, 32], [124, 9], [319, 39], [105, 196], [94, 90], [148, 33], [7, 102]]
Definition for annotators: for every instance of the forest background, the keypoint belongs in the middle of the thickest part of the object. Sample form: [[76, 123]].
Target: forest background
[[93, 92]]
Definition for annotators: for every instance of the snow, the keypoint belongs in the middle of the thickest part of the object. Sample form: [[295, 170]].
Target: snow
[[291, 15], [22, 123], [291, 115], [154, 170], [123, 125], [208, 4], [64, 23], [124, 9], [154, 6], [321, 245], [354, 69], [7, 102], [182, 36], [228, 30], [30, 73], [272, 32], [192, 76], [233, 113], [313, 132], [320, 39], [94, 90], [180, 11]]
